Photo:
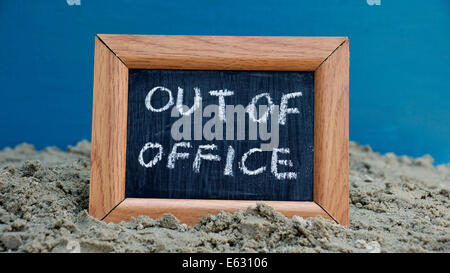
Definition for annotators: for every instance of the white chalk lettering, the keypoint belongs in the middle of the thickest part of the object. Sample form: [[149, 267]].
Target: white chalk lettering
[[197, 102], [244, 168], [276, 162], [212, 129], [252, 112], [221, 94], [199, 156], [148, 99], [284, 110], [174, 155], [155, 160], [229, 165]]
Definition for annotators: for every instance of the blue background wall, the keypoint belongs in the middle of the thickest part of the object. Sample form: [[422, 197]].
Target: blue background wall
[[399, 87]]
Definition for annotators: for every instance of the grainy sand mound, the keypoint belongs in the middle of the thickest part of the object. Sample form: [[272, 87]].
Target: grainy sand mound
[[397, 204]]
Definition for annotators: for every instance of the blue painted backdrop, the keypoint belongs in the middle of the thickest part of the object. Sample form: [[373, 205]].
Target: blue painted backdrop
[[399, 83]]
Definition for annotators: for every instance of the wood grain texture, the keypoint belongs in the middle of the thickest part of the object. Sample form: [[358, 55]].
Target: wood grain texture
[[221, 52], [331, 111], [109, 121], [189, 211]]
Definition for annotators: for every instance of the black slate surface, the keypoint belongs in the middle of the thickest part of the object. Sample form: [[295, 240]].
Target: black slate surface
[[211, 183]]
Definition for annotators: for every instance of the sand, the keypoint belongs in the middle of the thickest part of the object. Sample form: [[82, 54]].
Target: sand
[[397, 204]]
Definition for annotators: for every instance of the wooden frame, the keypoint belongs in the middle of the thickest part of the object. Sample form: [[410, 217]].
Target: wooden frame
[[328, 57]]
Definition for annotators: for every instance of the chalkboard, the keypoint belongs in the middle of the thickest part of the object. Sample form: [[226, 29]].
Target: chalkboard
[[205, 168], [195, 125]]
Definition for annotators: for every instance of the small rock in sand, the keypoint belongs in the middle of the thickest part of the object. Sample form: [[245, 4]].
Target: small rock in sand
[[405, 159], [424, 161], [373, 247], [19, 224], [11, 240], [168, 221], [368, 179], [83, 148], [31, 167]]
